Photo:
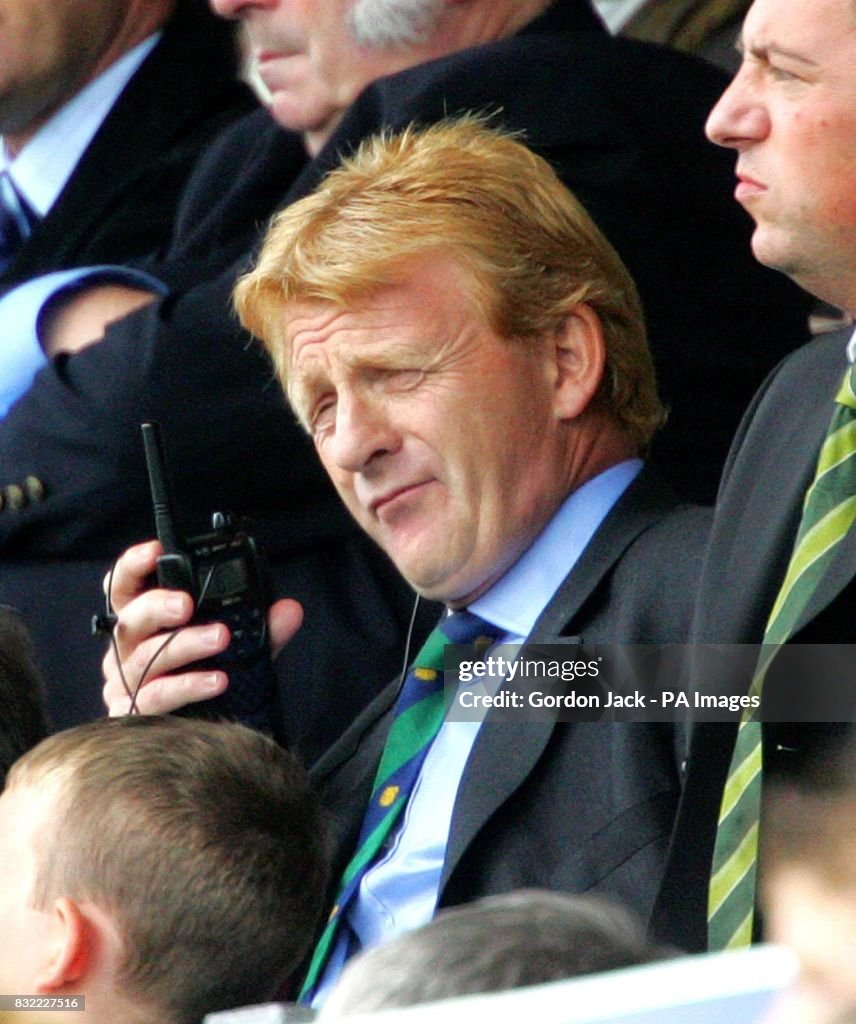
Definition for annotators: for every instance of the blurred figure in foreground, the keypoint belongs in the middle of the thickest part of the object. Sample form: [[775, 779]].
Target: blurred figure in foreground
[[162, 868], [526, 937]]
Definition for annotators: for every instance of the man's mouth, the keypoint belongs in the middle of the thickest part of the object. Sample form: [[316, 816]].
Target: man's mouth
[[387, 501], [747, 187]]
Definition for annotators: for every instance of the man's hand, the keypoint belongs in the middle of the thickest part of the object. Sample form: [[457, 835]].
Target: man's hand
[[145, 620], [84, 318]]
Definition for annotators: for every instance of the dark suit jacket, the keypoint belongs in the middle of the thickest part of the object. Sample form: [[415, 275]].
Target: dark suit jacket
[[120, 202], [769, 470], [623, 124], [580, 807]]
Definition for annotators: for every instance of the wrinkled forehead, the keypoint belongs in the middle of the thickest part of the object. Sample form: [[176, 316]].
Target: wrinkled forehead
[[312, 329], [325, 342], [380, 310], [814, 30]]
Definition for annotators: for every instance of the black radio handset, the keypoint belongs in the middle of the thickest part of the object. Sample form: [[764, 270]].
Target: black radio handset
[[227, 578], [174, 568]]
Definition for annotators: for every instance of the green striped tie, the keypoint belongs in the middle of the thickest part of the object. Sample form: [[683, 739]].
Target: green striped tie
[[417, 717], [829, 511]]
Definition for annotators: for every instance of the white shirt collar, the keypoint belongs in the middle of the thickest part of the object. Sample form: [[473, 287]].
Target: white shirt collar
[[45, 164], [616, 13], [851, 348]]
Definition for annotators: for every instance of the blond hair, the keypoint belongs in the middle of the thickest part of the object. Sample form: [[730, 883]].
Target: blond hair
[[462, 189]]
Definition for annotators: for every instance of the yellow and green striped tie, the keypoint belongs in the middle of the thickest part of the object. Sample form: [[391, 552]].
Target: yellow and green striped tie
[[829, 511]]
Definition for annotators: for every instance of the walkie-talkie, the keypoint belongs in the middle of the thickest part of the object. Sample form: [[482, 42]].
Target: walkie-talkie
[[226, 576]]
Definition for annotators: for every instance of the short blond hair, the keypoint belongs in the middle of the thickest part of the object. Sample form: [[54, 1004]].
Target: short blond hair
[[466, 190]]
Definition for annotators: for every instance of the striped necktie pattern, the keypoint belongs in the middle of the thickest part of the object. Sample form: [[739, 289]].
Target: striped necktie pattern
[[829, 511], [16, 220], [417, 717]]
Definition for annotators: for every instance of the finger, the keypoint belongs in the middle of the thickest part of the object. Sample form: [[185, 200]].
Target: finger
[[285, 618], [129, 574], [149, 661], [149, 615], [175, 651], [163, 694]]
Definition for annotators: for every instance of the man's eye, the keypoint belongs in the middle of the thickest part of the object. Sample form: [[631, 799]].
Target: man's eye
[[404, 380], [323, 416], [780, 74]]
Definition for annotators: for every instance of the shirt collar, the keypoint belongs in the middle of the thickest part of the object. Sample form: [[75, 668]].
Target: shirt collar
[[517, 599], [851, 348]]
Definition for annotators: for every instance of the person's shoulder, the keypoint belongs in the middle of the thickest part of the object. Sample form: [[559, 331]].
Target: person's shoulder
[[820, 361], [675, 532], [555, 55], [799, 389], [658, 570], [248, 135], [559, 89], [635, 582]]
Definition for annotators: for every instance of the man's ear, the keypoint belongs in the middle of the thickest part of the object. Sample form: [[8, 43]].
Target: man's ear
[[69, 947], [580, 354]]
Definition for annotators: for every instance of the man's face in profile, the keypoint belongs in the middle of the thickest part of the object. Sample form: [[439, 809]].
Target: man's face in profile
[[311, 65], [790, 114]]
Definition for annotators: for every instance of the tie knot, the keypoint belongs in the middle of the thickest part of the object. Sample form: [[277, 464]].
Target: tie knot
[[458, 628], [847, 392], [464, 627], [16, 219]]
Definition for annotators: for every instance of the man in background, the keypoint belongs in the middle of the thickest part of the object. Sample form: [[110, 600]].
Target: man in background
[[104, 108], [781, 564]]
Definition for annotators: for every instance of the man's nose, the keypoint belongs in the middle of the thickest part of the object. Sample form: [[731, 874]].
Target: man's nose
[[740, 117], [363, 432], [238, 8]]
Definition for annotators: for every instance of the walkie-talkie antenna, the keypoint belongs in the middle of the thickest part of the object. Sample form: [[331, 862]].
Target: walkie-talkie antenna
[[155, 463]]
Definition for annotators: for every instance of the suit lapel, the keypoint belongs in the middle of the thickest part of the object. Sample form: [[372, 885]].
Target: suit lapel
[[505, 753], [645, 502], [791, 464], [771, 465], [503, 757]]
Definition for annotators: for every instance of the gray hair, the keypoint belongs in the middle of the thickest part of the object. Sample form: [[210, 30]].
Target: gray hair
[[527, 937], [383, 24]]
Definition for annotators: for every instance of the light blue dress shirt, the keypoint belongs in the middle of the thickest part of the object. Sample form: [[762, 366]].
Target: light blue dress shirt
[[21, 354], [40, 172], [400, 892]]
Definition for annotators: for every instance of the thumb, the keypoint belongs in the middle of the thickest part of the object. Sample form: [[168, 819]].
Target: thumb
[[285, 618]]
